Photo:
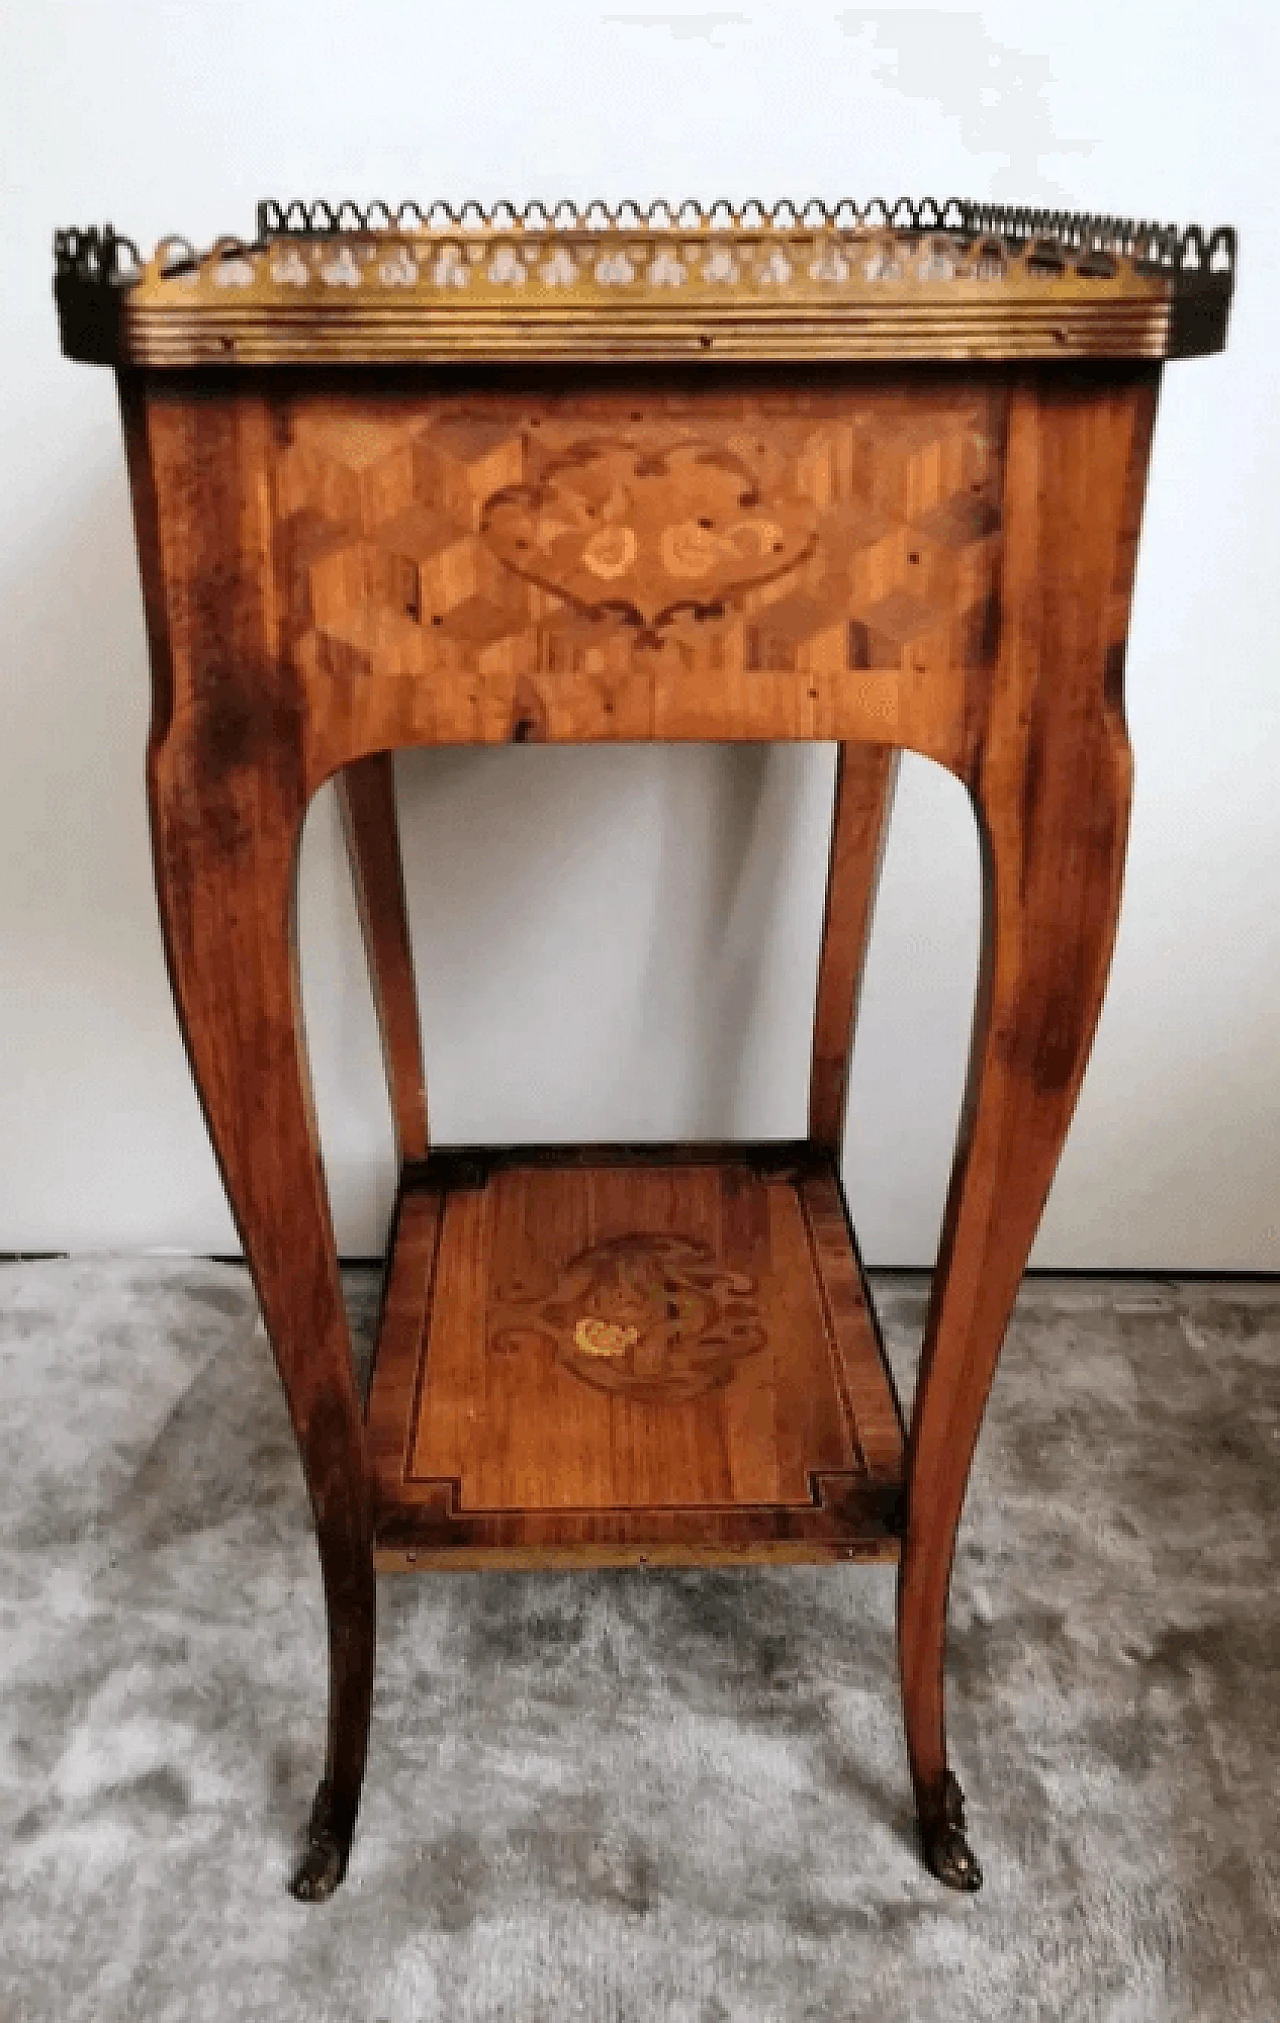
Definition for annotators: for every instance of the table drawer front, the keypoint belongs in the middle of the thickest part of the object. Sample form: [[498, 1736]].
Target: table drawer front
[[644, 532]]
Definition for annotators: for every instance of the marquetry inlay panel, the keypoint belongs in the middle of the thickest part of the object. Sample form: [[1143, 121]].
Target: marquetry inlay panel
[[648, 535], [848, 526], [629, 1332], [654, 1316]]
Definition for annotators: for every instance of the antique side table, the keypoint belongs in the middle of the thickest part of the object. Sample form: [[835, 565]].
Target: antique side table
[[429, 476]]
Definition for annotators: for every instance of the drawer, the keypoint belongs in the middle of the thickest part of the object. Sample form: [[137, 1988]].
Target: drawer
[[668, 555]]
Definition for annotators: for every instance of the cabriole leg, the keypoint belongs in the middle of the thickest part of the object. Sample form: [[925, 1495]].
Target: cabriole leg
[[225, 840], [1052, 886], [1050, 780]]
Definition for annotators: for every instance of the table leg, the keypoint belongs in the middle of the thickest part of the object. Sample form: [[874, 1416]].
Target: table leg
[[367, 799], [225, 842], [1052, 883], [1050, 782], [866, 776], [1051, 898]]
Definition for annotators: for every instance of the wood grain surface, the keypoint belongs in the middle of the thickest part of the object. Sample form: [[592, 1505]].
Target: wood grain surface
[[618, 1357], [866, 776], [1051, 786], [655, 526], [367, 800], [228, 794]]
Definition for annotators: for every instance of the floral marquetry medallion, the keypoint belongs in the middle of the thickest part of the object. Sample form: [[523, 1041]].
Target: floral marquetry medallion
[[648, 535], [653, 1316]]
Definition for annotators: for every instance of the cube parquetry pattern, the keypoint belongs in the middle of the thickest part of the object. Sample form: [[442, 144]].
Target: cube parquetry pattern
[[517, 533]]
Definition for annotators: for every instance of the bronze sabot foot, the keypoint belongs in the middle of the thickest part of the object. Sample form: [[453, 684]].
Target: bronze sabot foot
[[324, 1861], [946, 1849]]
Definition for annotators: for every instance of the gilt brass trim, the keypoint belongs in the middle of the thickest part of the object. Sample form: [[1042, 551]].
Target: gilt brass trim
[[337, 283]]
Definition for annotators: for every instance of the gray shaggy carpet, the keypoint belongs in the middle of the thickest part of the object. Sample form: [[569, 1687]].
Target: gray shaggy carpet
[[637, 1796]]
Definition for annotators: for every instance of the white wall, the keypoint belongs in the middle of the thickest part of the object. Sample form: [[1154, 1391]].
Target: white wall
[[621, 942]]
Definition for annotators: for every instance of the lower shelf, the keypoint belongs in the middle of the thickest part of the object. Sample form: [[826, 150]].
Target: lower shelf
[[617, 1356]]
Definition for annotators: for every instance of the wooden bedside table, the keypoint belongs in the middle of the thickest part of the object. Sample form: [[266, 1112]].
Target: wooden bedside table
[[428, 477]]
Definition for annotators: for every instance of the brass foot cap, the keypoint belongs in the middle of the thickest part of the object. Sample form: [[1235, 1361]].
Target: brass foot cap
[[324, 1861], [946, 1849]]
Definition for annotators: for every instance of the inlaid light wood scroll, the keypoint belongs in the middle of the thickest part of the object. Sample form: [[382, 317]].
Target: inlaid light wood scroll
[[656, 1317]]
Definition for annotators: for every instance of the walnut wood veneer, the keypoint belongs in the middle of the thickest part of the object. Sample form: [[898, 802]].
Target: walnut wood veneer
[[867, 478]]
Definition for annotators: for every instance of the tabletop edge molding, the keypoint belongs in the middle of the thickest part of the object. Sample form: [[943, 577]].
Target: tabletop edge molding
[[335, 282]]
